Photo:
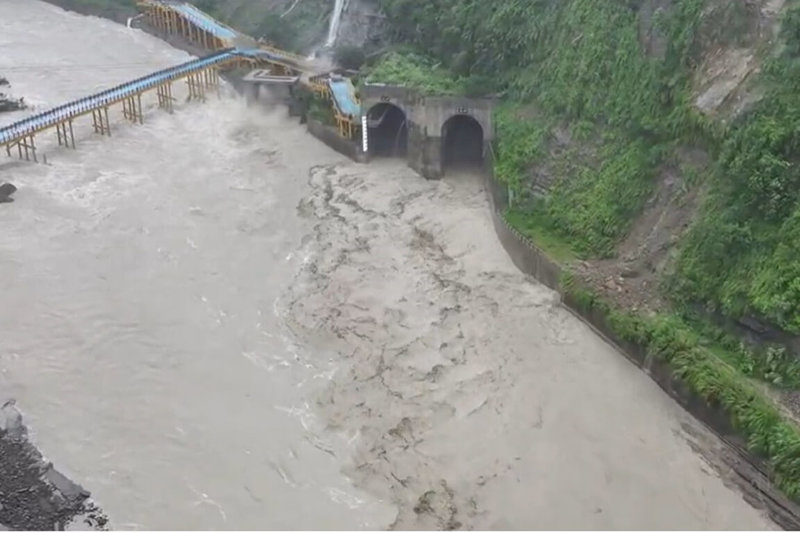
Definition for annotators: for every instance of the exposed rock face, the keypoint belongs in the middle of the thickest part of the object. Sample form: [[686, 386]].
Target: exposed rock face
[[362, 25]]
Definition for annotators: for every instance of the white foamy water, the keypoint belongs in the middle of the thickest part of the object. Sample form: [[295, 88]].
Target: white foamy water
[[333, 25], [142, 334]]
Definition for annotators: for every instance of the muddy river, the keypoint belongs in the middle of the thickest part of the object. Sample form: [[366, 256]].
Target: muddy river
[[214, 321]]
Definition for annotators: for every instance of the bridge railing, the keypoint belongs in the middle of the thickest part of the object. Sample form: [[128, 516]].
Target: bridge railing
[[30, 125]]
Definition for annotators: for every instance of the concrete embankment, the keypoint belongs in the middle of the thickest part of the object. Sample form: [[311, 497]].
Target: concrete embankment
[[750, 473]]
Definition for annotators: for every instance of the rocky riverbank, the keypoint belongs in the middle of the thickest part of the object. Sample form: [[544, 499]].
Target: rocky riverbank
[[33, 494]]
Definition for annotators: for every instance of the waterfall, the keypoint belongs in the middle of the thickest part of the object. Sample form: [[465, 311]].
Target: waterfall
[[131, 19], [336, 18]]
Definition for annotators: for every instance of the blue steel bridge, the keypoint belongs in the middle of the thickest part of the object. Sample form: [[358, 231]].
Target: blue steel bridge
[[201, 75]]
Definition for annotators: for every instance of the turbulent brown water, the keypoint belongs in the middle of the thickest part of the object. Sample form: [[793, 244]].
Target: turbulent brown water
[[214, 321]]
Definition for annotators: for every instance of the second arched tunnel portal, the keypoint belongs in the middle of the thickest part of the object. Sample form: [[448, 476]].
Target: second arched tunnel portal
[[462, 143], [432, 133]]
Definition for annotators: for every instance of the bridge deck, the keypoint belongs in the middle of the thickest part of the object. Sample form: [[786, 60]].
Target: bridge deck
[[341, 91], [33, 124]]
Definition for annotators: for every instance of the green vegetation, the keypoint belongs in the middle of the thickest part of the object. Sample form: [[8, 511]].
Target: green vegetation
[[711, 377], [416, 72], [320, 109], [582, 63], [743, 255], [296, 30], [578, 61], [598, 97]]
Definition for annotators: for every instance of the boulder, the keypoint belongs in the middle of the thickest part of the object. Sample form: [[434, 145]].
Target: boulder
[[6, 190], [11, 104], [11, 420]]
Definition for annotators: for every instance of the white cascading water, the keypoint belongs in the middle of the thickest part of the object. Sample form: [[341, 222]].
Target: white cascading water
[[333, 28]]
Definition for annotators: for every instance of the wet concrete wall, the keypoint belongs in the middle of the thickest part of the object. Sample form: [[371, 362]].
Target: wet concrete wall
[[329, 135], [750, 469], [424, 152], [267, 94]]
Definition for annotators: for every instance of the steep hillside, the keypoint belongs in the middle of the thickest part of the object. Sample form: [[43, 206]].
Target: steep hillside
[[649, 145], [300, 25], [624, 121]]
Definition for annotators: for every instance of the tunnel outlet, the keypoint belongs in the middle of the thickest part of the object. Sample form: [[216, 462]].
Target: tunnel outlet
[[387, 128], [462, 143]]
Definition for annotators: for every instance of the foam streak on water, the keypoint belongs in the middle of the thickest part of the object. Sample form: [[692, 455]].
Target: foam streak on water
[[139, 275]]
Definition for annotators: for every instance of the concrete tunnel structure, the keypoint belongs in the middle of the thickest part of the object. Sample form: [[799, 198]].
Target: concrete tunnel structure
[[433, 133]]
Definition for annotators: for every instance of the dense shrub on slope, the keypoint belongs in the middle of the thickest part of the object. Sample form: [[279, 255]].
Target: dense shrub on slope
[[589, 60]]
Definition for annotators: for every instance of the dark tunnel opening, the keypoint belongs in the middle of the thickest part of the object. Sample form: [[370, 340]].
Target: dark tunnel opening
[[388, 131], [462, 143]]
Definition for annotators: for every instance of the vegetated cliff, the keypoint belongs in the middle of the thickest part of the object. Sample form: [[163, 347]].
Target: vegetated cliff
[[650, 145], [299, 25], [627, 122]]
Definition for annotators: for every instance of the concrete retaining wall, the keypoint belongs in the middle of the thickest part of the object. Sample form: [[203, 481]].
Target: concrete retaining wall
[[750, 469], [329, 136]]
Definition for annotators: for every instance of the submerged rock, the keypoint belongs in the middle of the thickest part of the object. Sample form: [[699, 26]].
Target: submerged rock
[[6, 190], [11, 104]]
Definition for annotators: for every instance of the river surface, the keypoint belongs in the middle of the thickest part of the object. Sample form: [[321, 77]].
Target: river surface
[[212, 321]]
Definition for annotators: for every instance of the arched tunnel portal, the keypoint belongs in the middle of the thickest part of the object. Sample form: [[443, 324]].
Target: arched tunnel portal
[[462, 143], [387, 127]]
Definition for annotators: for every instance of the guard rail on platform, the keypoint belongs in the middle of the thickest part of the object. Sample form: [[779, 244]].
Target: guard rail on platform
[[27, 127]]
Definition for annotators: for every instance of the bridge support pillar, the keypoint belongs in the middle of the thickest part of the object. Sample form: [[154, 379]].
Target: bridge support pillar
[[100, 121], [26, 148], [424, 152], [196, 86], [65, 134], [165, 98], [132, 109]]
